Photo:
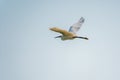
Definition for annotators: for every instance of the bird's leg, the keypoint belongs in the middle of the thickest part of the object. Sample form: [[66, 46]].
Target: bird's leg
[[58, 36]]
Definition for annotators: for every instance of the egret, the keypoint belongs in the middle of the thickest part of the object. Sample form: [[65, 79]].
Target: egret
[[71, 34]]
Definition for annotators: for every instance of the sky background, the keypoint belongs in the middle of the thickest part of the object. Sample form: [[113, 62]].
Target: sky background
[[28, 50]]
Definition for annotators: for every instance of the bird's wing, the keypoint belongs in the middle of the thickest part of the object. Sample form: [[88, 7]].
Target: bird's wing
[[63, 32], [75, 27]]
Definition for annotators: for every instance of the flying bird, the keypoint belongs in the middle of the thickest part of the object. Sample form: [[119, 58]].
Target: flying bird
[[71, 34]]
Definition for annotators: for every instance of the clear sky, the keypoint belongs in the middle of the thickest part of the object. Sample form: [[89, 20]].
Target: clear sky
[[28, 50]]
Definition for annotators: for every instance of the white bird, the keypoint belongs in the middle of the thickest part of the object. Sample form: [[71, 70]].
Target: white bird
[[71, 34]]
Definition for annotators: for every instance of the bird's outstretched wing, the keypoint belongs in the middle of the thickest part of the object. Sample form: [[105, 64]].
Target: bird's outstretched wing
[[63, 32], [75, 27]]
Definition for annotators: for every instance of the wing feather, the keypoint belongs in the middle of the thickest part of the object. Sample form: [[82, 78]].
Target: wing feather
[[75, 27]]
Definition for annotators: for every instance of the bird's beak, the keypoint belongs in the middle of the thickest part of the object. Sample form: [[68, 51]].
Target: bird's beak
[[58, 37], [82, 38], [86, 38]]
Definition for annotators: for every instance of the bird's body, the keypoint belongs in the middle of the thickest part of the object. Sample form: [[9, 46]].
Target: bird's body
[[65, 34], [71, 34]]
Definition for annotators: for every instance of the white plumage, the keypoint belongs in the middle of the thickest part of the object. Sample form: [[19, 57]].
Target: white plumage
[[75, 27], [71, 34]]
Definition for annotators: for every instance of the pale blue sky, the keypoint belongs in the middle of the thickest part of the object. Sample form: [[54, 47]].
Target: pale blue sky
[[28, 50]]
